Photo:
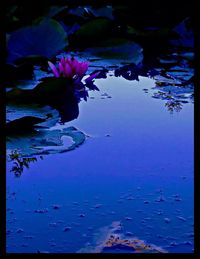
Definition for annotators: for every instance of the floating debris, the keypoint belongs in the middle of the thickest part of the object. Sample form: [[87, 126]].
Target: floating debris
[[97, 206], [167, 220], [181, 218], [107, 135], [19, 230], [41, 211], [66, 229], [56, 206], [128, 218], [177, 197], [173, 244], [160, 199], [187, 243], [130, 198]]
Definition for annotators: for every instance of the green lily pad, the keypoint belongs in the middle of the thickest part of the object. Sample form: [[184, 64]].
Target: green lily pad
[[92, 32], [44, 39], [21, 119], [115, 51], [44, 142], [47, 91]]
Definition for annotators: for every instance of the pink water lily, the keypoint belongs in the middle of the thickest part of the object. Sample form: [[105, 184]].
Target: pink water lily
[[69, 68]]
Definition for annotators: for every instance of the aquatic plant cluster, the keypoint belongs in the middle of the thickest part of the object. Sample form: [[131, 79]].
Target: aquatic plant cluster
[[56, 57]]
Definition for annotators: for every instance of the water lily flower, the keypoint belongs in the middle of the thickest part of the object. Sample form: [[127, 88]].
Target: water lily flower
[[69, 68]]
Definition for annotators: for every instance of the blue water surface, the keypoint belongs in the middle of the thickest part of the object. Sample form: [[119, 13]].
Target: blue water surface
[[135, 167]]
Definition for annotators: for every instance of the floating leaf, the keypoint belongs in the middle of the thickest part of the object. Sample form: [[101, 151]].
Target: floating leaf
[[45, 38], [46, 92], [46, 142], [21, 119], [92, 32], [185, 35], [90, 12], [117, 50]]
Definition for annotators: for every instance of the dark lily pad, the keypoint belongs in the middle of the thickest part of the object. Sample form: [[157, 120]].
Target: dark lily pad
[[116, 51], [46, 142], [55, 10], [91, 12], [22, 119], [59, 93], [44, 39], [92, 32], [185, 35], [46, 92], [22, 125]]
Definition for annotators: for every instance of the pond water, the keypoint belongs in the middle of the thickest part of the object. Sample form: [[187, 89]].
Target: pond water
[[135, 167]]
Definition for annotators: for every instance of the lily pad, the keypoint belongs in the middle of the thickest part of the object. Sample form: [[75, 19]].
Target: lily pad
[[92, 32], [24, 118], [49, 90], [88, 12], [45, 38], [118, 50], [111, 53], [44, 142], [185, 35]]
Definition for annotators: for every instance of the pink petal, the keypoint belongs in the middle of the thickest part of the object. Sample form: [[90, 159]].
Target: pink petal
[[74, 66], [54, 69], [68, 61], [61, 67], [83, 68], [79, 68], [62, 61], [68, 71]]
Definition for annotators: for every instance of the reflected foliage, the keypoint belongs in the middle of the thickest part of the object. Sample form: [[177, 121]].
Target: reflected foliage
[[173, 105], [19, 163], [132, 71]]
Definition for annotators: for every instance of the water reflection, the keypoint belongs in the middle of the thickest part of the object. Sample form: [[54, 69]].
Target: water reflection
[[67, 105], [68, 111], [20, 162], [173, 105], [132, 71]]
